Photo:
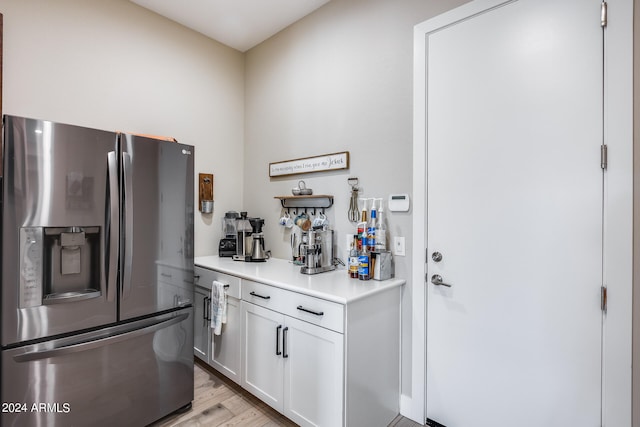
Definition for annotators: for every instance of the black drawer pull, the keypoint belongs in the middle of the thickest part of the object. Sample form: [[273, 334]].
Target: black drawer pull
[[253, 294], [317, 313]]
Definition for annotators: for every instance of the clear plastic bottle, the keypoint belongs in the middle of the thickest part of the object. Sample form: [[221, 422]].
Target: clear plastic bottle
[[381, 230]]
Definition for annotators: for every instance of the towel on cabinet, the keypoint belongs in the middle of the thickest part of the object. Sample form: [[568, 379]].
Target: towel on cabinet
[[218, 306]]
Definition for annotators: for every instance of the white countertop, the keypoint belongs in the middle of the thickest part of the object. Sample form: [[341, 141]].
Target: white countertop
[[333, 286]]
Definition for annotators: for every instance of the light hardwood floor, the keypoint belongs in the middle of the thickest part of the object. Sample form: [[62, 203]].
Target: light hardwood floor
[[219, 402]]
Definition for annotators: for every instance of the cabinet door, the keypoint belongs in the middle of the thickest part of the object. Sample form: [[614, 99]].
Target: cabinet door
[[262, 357], [225, 355], [201, 329], [313, 374]]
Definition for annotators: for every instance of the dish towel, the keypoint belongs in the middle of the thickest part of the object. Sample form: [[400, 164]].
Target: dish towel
[[218, 307]]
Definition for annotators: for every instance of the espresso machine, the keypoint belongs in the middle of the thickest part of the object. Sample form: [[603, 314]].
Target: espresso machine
[[316, 251]]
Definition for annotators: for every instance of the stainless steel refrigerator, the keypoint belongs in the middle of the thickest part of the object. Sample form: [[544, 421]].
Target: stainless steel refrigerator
[[97, 276]]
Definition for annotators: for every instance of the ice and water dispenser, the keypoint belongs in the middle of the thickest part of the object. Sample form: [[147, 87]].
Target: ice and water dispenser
[[59, 264]]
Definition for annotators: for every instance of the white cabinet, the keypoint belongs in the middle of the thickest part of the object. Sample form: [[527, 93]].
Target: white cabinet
[[293, 366], [263, 362], [201, 330], [225, 351], [313, 374], [290, 362], [331, 361], [220, 351]]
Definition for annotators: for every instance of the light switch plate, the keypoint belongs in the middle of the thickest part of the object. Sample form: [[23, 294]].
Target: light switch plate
[[398, 246]]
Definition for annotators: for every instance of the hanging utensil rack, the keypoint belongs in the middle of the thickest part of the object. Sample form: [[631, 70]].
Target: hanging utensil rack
[[316, 201]]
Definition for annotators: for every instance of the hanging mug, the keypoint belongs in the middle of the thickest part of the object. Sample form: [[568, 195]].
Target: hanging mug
[[286, 220], [303, 222], [320, 221]]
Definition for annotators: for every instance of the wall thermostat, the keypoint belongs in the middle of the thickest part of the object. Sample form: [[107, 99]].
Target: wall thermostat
[[399, 202]]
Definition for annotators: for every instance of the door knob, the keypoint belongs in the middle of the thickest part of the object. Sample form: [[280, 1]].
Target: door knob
[[436, 256], [436, 279]]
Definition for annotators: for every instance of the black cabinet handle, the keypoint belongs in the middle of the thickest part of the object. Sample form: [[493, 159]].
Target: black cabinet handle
[[207, 308], [278, 352], [253, 294], [317, 313], [284, 342]]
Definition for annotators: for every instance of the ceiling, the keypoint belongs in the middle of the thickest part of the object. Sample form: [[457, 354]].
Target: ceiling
[[240, 24]]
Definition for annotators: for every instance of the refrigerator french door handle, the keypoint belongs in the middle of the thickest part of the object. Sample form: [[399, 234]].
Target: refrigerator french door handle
[[114, 225], [91, 344], [128, 224]]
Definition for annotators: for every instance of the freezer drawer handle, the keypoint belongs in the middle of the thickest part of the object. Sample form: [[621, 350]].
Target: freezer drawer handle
[[253, 294], [64, 297], [89, 345], [317, 313]]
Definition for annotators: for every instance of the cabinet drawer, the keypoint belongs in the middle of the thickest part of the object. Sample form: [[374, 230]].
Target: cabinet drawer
[[264, 295], [205, 278], [320, 312], [314, 310]]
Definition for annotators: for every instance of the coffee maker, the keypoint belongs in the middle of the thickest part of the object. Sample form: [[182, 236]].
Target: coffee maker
[[250, 240], [228, 244]]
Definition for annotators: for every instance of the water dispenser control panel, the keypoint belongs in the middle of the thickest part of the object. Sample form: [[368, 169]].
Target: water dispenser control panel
[[30, 267]]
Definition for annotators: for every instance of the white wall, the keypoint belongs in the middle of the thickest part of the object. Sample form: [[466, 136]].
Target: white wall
[[113, 65], [338, 80]]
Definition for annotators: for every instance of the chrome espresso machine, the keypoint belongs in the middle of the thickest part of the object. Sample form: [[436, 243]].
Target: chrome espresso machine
[[315, 252]]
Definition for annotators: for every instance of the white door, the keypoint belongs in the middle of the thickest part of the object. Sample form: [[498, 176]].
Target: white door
[[313, 374], [514, 208], [263, 363]]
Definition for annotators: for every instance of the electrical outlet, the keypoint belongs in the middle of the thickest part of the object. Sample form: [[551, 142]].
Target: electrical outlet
[[398, 246]]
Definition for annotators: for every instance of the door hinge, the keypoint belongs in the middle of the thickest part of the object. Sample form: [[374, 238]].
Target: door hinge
[[603, 299], [603, 14], [603, 156]]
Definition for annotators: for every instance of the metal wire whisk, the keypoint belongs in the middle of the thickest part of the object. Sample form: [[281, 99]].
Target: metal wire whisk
[[353, 213]]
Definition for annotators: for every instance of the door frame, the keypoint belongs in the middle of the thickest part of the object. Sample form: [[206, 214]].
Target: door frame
[[618, 208]]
